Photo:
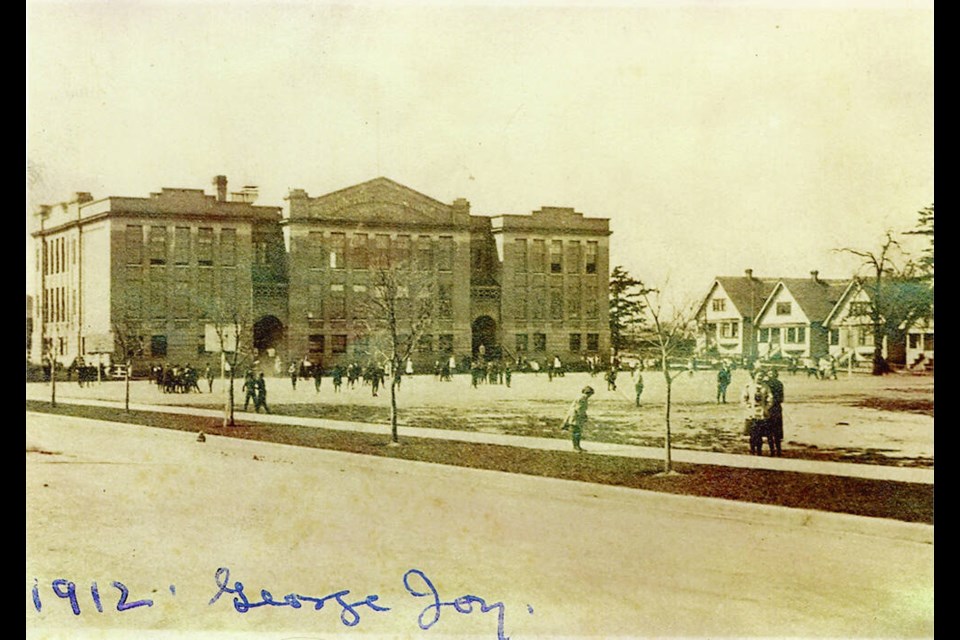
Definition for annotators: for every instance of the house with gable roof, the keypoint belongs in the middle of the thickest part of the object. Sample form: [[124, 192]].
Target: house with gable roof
[[792, 320], [725, 317]]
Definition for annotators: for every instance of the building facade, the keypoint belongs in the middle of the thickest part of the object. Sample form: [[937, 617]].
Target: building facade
[[529, 286], [153, 273], [161, 271]]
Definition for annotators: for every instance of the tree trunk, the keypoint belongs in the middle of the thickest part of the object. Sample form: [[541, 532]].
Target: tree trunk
[[667, 460], [53, 382], [395, 381]]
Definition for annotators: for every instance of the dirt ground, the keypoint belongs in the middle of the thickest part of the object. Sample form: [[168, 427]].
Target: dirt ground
[[860, 418]]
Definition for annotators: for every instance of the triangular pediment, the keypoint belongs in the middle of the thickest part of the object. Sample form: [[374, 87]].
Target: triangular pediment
[[382, 200]]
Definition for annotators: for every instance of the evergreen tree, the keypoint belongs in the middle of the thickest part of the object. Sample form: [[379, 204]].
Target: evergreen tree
[[627, 307]]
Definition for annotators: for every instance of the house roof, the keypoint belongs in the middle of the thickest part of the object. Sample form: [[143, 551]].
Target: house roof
[[816, 298], [746, 294]]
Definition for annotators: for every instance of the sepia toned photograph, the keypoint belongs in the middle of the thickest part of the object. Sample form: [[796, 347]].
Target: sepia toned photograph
[[497, 319]]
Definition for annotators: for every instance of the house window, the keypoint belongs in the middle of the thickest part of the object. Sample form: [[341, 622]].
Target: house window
[[556, 256], [445, 342], [520, 255], [834, 337], [445, 253], [801, 334], [539, 342], [591, 262], [133, 241], [181, 245], [358, 251], [338, 244], [914, 340], [791, 335], [729, 329], [719, 304], [573, 257], [593, 342], [859, 309], [928, 342], [574, 342], [205, 246], [158, 346], [521, 342], [425, 344], [783, 308], [763, 335], [158, 245]]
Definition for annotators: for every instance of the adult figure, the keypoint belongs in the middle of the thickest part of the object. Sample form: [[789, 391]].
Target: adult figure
[[292, 370], [576, 418], [612, 379], [249, 390], [208, 374], [638, 386], [775, 433], [261, 386], [317, 375], [723, 381], [337, 376], [756, 400]]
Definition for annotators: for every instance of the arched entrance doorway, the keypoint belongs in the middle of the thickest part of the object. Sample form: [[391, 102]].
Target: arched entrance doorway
[[267, 336], [485, 335]]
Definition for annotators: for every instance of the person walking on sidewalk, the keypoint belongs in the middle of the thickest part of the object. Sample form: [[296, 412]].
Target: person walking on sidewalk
[[262, 394], [576, 418]]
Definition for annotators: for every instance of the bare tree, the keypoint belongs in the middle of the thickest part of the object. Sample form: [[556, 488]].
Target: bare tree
[[232, 342], [129, 345], [671, 335], [397, 311], [899, 294]]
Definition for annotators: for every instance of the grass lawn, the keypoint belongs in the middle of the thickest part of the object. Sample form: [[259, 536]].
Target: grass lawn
[[895, 500]]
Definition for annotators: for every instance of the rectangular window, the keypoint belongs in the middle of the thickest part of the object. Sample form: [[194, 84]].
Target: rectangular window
[[338, 243], [591, 261], [228, 289], [315, 302], [928, 342], [401, 252], [719, 304], [556, 300], [834, 336], [316, 251], [521, 342], [158, 245], [556, 256], [520, 301], [520, 255], [859, 309], [260, 255], [539, 342], [381, 253], [158, 346], [205, 246], [424, 253], [316, 344], [132, 295], [181, 245], [445, 343], [573, 298], [593, 342], [158, 292], [228, 247], [359, 258], [801, 334], [205, 291], [573, 256], [181, 296], [445, 301], [133, 244], [783, 308], [539, 300], [338, 344], [591, 303], [538, 256], [914, 340], [763, 335], [791, 335], [574, 342], [338, 302], [445, 249]]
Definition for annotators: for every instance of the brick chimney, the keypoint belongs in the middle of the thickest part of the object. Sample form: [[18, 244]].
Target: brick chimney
[[749, 273], [82, 197], [814, 274], [221, 184]]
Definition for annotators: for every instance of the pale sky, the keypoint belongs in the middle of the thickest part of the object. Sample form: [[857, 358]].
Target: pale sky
[[716, 136]]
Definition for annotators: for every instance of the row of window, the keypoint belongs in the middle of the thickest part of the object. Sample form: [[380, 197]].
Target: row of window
[[329, 250], [782, 308], [185, 247], [533, 303], [188, 295], [531, 256], [55, 254], [59, 304], [726, 329], [332, 302], [791, 335], [540, 342]]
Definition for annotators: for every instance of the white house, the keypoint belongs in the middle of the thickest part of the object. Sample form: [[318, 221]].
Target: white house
[[725, 317], [920, 345], [850, 329], [791, 322]]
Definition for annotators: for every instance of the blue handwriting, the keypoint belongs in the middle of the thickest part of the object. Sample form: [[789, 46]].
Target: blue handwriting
[[463, 604]]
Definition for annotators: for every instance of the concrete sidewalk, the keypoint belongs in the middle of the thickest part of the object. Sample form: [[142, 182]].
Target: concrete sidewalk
[[853, 470]]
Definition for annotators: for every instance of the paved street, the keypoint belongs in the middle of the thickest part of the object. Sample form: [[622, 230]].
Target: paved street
[[160, 513]]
